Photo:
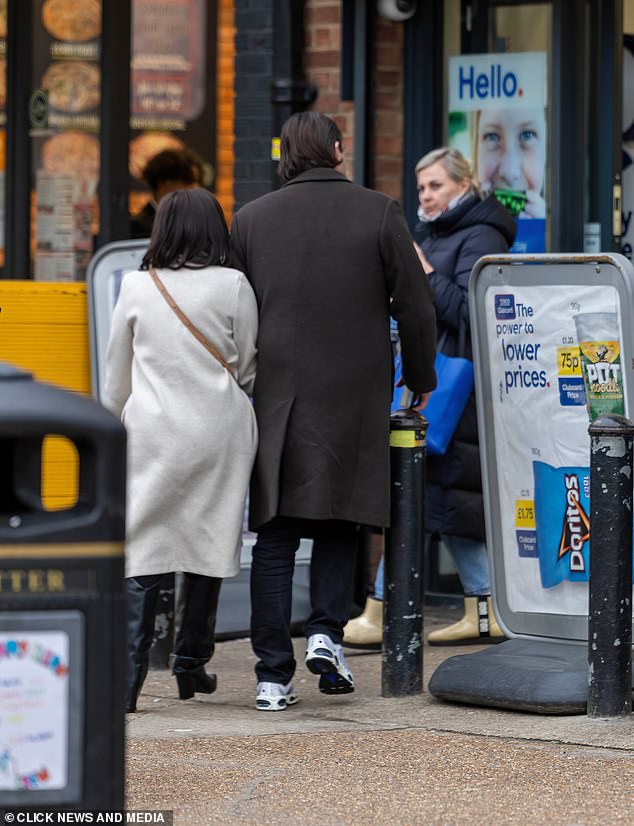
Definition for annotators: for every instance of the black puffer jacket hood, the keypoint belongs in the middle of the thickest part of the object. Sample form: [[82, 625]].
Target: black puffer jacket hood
[[473, 211]]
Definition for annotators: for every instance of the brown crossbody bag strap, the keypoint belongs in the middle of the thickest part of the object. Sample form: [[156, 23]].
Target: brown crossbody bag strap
[[192, 329]]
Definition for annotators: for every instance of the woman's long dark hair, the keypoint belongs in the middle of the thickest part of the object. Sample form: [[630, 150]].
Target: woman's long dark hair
[[189, 230], [307, 140]]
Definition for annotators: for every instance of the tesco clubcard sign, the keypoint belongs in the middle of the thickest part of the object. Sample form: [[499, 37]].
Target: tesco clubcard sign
[[493, 81]]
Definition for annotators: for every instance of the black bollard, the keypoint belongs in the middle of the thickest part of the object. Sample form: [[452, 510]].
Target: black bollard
[[402, 665], [610, 613]]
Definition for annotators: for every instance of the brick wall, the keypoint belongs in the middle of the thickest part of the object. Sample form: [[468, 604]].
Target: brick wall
[[253, 121], [388, 108], [323, 68], [223, 181]]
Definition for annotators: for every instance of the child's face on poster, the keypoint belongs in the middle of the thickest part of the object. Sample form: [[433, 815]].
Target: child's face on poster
[[511, 154]]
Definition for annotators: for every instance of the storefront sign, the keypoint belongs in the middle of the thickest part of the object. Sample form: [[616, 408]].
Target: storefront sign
[[497, 118]]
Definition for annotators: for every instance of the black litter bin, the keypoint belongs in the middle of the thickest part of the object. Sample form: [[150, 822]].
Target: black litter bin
[[62, 605]]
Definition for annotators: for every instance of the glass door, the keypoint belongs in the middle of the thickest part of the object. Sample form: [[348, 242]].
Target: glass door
[[627, 174], [498, 71], [70, 167], [579, 190]]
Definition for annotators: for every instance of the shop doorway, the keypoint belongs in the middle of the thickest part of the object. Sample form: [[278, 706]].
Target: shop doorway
[[583, 41], [582, 45]]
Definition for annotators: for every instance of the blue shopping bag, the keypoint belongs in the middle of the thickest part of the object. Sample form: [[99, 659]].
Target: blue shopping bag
[[447, 401]]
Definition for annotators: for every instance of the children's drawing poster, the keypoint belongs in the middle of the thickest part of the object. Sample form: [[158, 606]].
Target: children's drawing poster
[[34, 710]]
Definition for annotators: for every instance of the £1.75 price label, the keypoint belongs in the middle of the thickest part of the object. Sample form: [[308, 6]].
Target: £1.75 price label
[[524, 513], [525, 533]]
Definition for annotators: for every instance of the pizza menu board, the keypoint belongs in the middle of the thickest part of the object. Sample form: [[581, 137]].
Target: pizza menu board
[[168, 44], [64, 225], [67, 70], [169, 98], [170, 108], [64, 116]]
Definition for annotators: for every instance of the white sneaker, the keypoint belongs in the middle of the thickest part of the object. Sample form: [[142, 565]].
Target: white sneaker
[[325, 658], [274, 696]]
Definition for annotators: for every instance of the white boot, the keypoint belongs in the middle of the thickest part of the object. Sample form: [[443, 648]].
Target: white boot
[[366, 630], [478, 626]]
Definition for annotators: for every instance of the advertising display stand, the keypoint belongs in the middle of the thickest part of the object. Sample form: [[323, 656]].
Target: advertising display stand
[[103, 280], [553, 348], [62, 604]]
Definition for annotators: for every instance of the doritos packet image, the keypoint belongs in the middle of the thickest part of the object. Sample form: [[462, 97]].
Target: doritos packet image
[[562, 521]]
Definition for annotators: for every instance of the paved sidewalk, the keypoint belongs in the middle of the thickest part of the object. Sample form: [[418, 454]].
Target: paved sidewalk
[[361, 759]]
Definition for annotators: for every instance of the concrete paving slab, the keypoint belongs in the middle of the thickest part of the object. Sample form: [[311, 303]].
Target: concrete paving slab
[[231, 712], [399, 777], [361, 758]]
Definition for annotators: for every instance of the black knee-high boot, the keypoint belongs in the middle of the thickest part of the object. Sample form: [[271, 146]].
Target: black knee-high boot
[[142, 594], [196, 624]]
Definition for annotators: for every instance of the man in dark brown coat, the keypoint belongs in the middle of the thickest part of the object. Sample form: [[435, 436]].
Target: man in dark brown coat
[[329, 262]]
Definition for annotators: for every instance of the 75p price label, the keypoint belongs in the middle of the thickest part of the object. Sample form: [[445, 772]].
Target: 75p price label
[[568, 361]]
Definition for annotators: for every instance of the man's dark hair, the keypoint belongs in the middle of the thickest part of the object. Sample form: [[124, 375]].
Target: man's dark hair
[[173, 165], [189, 230], [307, 141]]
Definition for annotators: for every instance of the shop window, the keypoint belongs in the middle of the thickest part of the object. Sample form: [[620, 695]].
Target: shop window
[[172, 106], [497, 107]]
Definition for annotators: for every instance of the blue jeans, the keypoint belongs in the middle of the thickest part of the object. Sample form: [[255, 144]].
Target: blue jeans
[[471, 561]]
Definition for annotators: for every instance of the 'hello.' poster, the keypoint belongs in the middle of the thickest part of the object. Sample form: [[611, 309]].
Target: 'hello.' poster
[[497, 119]]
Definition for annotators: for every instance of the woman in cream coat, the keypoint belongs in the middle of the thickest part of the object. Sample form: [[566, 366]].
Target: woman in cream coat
[[192, 434]]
